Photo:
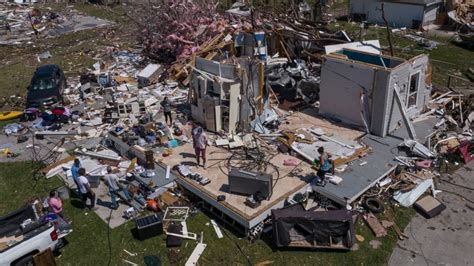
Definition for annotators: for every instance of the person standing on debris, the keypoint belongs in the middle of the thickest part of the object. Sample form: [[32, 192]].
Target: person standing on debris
[[112, 182], [200, 144], [85, 189], [324, 165], [166, 104], [8, 28], [75, 172]]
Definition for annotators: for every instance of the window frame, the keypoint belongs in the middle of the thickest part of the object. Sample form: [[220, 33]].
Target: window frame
[[410, 93]]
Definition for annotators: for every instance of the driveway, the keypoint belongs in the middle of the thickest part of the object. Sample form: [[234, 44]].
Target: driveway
[[447, 239]]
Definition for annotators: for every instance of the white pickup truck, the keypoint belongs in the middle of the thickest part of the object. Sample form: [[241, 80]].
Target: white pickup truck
[[20, 240]]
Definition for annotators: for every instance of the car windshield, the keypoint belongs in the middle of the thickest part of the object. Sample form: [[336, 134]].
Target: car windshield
[[42, 84]]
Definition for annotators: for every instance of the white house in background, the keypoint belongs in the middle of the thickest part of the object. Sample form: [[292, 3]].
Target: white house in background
[[399, 13]]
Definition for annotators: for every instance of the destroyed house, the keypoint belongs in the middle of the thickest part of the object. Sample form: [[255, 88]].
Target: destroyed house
[[227, 96], [414, 14], [377, 93]]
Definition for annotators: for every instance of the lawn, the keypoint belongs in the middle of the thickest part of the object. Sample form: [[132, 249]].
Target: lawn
[[88, 243], [73, 52]]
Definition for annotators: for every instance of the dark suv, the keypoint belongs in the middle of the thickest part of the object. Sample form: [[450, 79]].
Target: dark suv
[[46, 87]]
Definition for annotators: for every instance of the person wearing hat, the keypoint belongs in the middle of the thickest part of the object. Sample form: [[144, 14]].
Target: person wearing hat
[[112, 182]]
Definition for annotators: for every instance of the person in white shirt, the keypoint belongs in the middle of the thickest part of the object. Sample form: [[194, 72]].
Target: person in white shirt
[[112, 181], [85, 189]]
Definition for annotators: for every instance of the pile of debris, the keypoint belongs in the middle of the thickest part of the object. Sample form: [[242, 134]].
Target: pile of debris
[[198, 29], [463, 14], [23, 23], [242, 77]]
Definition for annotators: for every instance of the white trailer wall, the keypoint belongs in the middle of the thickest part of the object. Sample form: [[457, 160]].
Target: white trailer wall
[[342, 85]]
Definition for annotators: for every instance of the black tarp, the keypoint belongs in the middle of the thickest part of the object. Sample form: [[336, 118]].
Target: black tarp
[[296, 224]]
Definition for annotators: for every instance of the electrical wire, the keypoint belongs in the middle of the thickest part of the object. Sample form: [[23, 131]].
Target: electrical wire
[[454, 184], [249, 261], [108, 237], [459, 195]]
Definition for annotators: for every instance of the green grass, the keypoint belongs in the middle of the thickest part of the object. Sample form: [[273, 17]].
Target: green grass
[[448, 59], [88, 243], [17, 185], [69, 51]]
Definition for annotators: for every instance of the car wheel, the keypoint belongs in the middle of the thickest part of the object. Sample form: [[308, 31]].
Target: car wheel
[[374, 205], [25, 261]]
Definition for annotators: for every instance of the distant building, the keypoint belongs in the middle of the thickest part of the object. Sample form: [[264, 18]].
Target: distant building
[[399, 13], [373, 91]]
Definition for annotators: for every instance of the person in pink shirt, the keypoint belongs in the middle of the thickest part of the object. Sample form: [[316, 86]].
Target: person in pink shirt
[[55, 204]]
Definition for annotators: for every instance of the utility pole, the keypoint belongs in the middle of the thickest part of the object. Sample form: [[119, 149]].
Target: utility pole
[[389, 34]]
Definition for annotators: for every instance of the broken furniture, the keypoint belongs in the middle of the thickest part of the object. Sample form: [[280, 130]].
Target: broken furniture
[[295, 227], [175, 224], [197, 252], [176, 213], [171, 239], [149, 75], [223, 96]]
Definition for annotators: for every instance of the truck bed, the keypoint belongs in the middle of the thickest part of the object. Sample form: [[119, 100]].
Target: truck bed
[[10, 227]]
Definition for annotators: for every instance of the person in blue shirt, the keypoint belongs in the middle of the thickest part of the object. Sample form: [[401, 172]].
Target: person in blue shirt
[[325, 165], [75, 171]]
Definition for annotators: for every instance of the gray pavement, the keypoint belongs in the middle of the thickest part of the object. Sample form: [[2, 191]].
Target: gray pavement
[[447, 239]]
